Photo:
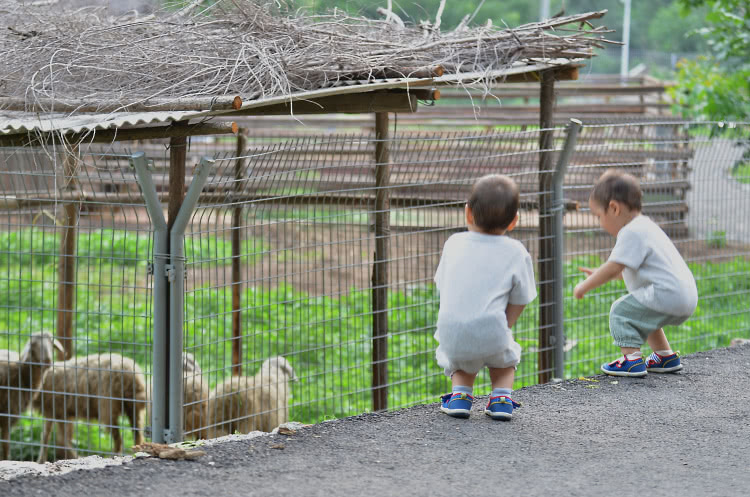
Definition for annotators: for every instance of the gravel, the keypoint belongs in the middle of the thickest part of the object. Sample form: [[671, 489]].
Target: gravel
[[685, 434]]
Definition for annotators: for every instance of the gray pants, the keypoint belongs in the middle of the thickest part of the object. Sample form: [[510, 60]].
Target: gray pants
[[631, 322]]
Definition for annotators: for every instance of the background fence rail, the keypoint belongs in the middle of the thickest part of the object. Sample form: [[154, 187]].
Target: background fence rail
[[280, 251]]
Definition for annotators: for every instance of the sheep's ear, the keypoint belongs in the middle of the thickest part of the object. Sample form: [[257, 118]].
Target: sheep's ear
[[56, 343]]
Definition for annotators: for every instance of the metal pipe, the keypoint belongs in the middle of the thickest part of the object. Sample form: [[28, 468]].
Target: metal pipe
[[160, 290], [558, 207], [176, 278]]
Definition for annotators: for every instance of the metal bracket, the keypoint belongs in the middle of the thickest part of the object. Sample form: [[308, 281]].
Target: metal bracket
[[169, 271], [150, 268], [169, 436]]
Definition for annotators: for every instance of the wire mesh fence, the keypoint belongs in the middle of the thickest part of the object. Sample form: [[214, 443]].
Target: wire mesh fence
[[309, 266], [73, 263]]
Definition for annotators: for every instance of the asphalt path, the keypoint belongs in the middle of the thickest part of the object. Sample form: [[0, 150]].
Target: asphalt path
[[684, 434]]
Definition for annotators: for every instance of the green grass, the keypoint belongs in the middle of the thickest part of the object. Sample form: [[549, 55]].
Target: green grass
[[741, 172], [327, 339]]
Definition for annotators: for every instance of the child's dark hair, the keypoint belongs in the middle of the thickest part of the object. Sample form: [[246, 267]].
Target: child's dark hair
[[494, 202], [618, 186]]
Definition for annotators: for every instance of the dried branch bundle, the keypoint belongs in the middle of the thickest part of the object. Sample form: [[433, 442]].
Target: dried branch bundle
[[249, 48]]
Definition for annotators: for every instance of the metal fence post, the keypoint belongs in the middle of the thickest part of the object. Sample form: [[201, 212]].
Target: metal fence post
[[558, 207], [160, 291], [176, 278]]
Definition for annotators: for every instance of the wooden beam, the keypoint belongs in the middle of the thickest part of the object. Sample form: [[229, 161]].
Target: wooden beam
[[177, 160], [355, 103], [223, 102], [116, 135], [565, 73]]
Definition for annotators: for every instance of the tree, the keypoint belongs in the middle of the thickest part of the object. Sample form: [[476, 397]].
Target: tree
[[717, 87]]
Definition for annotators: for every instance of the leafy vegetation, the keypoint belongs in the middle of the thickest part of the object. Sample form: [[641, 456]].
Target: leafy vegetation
[[327, 339]]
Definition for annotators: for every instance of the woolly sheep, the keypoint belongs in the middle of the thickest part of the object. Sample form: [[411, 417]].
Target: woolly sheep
[[20, 377], [195, 410], [94, 387], [248, 403], [195, 406]]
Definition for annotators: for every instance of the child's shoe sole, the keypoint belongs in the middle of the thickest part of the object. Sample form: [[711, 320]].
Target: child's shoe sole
[[502, 416], [455, 413], [673, 369]]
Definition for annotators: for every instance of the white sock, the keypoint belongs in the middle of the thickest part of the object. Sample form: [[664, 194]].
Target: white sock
[[634, 356], [463, 389], [664, 353]]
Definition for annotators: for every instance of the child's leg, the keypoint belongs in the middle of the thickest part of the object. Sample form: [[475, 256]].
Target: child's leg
[[663, 359], [658, 342], [458, 403], [502, 377], [501, 405], [462, 379]]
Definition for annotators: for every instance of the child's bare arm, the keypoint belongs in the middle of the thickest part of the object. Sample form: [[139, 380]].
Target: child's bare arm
[[589, 271], [512, 312], [606, 272]]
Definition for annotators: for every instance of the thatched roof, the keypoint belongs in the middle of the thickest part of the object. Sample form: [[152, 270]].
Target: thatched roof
[[83, 60]]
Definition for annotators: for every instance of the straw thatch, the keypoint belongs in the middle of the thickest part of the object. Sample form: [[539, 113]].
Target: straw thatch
[[246, 48]]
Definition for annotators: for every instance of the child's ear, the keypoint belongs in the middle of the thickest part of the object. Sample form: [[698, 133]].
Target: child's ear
[[513, 223], [615, 206], [469, 214]]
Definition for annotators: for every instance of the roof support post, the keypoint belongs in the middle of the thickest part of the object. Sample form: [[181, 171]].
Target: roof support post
[[66, 289], [380, 266], [236, 261], [546, 228]]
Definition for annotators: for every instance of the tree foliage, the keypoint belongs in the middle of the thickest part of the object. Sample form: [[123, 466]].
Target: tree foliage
[[717, 87]]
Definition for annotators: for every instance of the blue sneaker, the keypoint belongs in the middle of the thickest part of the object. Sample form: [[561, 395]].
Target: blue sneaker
[[625, 367], [501, 407], [656, 363], [456, 404]]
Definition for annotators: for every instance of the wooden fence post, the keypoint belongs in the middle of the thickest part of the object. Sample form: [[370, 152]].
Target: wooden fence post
[[546, 228], [66, 289], [380, 266], [236, 262]]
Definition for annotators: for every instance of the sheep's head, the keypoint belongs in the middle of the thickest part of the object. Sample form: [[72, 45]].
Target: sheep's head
[[189, 365], [40, 349], [281, 365]]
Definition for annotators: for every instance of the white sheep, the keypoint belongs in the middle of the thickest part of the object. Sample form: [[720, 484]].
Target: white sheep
[[195, 402], [248, 403], [20, 377], [95, 387]]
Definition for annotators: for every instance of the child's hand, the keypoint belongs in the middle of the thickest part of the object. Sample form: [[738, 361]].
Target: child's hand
[[579, 291], [586, 270]]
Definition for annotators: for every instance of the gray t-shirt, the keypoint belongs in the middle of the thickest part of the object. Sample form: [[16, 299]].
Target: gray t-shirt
[[655, 273], [478, 276]]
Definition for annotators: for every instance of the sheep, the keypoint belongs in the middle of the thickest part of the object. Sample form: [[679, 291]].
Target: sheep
[[195, 405], [248, 403], [20, 377], [94, 387]]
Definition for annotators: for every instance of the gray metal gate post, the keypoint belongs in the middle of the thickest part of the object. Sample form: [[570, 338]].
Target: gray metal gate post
[[177, 298], [558, 207], [168, 301], [160, 296]]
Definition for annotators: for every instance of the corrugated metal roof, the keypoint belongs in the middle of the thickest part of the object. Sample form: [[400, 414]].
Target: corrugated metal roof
[[13, 123]]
